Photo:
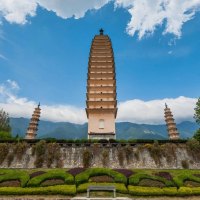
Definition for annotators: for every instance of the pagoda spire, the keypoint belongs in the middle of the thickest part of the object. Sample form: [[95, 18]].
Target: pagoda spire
[[171, 125], [33, 125], [101, 95]]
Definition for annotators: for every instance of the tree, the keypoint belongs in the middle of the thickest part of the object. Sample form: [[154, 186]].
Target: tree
[[197, 112], [197, 118], [5, 129]]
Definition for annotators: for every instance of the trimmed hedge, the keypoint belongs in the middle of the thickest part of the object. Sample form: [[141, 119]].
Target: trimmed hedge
[[10, 174], [180, 176], [168, 191], [136, 178], [152, 191], [120, 187], [84, 176], [189, 191], [51, 174], [50, 190]]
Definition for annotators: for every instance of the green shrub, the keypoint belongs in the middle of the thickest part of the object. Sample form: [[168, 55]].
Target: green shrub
[[51, 174], [50, 190], [152, 191], [180, 176], [9, 175], [84, 176], [120, 187], [136, 178], [188, 191]]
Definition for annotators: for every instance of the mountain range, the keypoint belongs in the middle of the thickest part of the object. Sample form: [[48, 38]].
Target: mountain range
[[124, 130]]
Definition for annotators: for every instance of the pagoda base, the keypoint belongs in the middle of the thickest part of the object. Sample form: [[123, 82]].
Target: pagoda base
[[100, 136]]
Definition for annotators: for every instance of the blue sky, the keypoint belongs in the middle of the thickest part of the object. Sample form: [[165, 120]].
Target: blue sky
[[44, 58]]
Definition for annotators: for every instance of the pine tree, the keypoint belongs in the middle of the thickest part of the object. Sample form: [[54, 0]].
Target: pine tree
[[4, 121], [197, 118], [197, 112]]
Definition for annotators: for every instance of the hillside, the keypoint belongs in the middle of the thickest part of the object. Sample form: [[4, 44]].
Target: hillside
[[124, 130]]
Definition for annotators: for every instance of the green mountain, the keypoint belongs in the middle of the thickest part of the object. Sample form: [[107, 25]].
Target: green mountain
[[124, 130]]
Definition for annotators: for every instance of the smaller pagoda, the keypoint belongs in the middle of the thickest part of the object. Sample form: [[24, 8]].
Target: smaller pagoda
[[33, 125], [171, 125]]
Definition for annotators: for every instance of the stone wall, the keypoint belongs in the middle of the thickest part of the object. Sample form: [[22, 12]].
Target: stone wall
[[154, 156]]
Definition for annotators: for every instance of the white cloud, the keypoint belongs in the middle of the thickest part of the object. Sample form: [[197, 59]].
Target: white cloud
[[137, 111], [152, 112], [22, 107], [71, 8], [147, 15], [17, 11]]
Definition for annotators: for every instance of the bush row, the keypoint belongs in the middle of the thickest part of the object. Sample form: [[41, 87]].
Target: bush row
[[71, 190], [168, 178], [50, 190], [168, 191], [120, 187], [84, 176], [51, 174]]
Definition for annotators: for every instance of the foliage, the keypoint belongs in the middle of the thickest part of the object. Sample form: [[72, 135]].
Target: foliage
[[4, 135], [180, 176], [197, 112], [193, 148], [197, 135], [185, 164], [51, 174], [4, 150], [20, 149], [4, 121], [188, 191], [128, 152], [9, 174], [120, 187], [84, 176], [54, 154], [121, 157], [50, 190], [40, 150], [137, 177], [10, 158], [152, 191], [105, 157], [87, 158], [156, 152]]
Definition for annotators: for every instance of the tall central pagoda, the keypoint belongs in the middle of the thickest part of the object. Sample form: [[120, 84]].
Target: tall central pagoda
[[101, 89]]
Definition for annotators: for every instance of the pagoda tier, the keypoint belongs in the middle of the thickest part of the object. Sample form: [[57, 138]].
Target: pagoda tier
[[33, 125], [171, 125], [101, 89]]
